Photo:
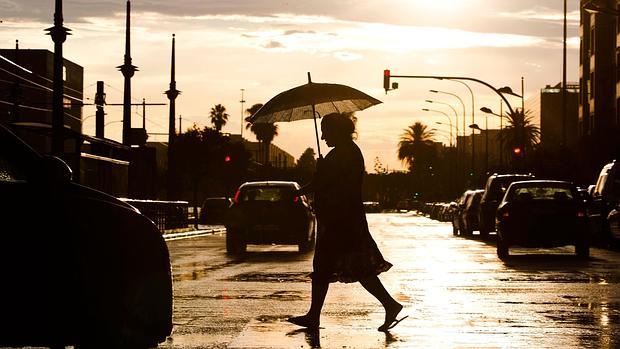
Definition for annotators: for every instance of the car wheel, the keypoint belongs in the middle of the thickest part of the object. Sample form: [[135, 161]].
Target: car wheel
[[502, 248], [234, 243], [582, 250]]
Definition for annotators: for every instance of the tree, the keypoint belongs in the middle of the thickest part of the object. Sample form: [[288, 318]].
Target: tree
[[219, 117], [265, 132], [520, 133], [307, 161], [415, 147]]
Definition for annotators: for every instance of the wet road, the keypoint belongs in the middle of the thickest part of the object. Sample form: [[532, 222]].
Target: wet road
[[456, 292]]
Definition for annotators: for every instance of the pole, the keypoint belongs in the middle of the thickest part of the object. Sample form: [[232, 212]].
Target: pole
[[99, 114], [242, 101], [59, 35], [522, 96], [180, 127], [486, 144], [316, 129], [144, 113], [564, 81], [501, 135]]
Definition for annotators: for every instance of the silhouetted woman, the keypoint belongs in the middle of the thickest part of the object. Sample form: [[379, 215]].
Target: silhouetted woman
[[344, 251]]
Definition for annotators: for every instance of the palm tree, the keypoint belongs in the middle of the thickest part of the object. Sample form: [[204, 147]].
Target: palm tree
[[265, 132], [415, 147], [520, 131], [218, 116]]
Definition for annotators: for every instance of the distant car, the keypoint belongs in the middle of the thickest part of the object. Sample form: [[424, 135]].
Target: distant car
[[457, 213], [469, 215], [213, 210], [79, 267], [604, 198], [372, 206], [269, 213], [494, 190], [542, 213]]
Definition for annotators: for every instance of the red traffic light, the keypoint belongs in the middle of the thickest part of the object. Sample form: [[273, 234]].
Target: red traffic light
[[517, 151], [386, 80], [227, 158]]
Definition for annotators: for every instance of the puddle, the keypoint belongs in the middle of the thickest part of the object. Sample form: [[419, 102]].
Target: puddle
[[198, 270], [271, 277], [279, 295]]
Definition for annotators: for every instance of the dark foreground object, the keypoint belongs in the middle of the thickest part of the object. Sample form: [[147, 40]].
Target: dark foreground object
[[79, 267]]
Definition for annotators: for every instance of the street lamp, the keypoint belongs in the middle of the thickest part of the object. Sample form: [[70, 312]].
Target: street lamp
[[456, 115], [486, 152], [447, 116], [450, 126], [501, 118]]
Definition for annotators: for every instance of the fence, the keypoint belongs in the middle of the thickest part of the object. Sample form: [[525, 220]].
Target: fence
[[166, 215]]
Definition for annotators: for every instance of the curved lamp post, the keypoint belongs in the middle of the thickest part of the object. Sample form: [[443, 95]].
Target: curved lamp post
[[447, 116], [456, 115]]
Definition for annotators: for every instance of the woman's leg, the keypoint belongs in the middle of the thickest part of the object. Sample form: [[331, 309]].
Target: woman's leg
[[313, 317], [392, 307]]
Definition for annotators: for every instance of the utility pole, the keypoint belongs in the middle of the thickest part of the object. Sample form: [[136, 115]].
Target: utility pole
[[128, 71], [172, 94], [16, 91], [180, 127], [59, 35], [99, 114], [564, 117], [242, 101]]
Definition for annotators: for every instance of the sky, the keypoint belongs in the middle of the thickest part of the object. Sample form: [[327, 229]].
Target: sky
[[267, 46]]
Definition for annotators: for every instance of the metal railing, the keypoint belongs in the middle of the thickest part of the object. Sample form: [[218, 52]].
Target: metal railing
[[167, 215]]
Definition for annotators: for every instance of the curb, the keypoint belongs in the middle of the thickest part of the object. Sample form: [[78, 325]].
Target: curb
[[193, 233]]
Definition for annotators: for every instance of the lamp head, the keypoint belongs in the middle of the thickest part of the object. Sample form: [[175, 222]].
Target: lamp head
[[486, 110]]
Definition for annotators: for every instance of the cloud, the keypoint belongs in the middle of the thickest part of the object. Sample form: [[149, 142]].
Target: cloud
[[273, 44], [545, 15], [294, 31]]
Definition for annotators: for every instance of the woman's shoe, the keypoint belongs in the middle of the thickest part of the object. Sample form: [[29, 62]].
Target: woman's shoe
[[304, 321], [390, 318]]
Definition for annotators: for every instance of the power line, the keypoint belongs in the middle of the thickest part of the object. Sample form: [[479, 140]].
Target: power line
[[26, 106], [39, 85]]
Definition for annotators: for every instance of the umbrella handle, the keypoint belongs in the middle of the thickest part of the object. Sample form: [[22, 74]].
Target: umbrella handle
[[316, 132]]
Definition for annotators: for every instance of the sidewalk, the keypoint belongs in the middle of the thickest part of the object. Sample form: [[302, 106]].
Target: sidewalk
[[193, 232]]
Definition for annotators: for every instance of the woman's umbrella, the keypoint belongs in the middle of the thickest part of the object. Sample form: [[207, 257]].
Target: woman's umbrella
[[312, 99]]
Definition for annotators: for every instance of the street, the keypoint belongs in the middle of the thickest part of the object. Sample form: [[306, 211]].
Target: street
[[456, 292]]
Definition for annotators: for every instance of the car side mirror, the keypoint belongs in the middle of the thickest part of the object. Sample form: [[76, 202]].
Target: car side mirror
[[56, 170]]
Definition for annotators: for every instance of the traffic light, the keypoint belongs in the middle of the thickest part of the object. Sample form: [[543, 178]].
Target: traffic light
[[227, 159], [386, 80]]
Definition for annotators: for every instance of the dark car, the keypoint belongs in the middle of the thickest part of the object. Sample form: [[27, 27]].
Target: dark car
[[542, 213], [494, 190], [457, 212], [605, 197], [213, 210], [269, 213], [80, 267], [469, 214], [613, 219]]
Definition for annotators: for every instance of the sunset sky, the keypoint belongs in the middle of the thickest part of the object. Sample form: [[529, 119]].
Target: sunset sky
[[267, 46]]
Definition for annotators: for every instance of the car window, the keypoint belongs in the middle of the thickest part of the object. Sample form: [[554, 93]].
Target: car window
[[541, 193], [600, 183], [271, 194], [9, 171]]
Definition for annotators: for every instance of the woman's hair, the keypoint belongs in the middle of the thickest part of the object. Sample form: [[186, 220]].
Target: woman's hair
[[342, 124]]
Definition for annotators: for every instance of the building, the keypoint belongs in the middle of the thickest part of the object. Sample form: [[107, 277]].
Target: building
[[278, 158], [599, 78], [551, 123]]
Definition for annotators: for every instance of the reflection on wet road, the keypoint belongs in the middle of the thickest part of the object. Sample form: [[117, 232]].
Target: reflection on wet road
[[456, 292]]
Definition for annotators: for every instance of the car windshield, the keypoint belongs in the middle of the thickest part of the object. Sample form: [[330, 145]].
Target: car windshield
[[271, 194], [540, 193]]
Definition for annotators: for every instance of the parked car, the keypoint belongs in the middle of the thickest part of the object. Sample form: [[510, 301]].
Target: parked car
[[613, 220], [457, 213], [213, 210], [269, 213], [80, 267], [494, 190], [605, 197], [470, 213], [541, 213]]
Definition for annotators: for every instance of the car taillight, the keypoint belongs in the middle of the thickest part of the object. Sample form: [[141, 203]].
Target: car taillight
[[581, 214], [505, 215], [296, 199], [236, 197]]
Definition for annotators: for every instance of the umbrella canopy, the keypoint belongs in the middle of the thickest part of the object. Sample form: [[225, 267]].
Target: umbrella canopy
[[312, 99], [299, 103]]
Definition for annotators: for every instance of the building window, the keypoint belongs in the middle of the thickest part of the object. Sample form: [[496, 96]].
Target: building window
[[66, 102], [64, 73]]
